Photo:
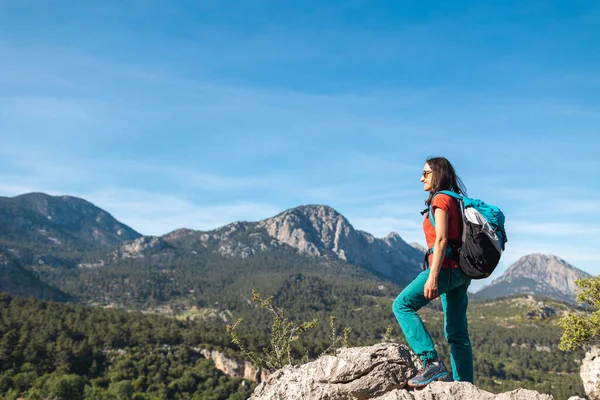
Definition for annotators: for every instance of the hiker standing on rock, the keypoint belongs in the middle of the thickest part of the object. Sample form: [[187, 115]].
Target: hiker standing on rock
[[443, 278]]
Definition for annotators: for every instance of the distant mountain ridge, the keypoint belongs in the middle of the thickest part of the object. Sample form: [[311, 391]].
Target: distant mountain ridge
[[70, 243], [313, 230], [320, 230], [40, 232], [537, 274], [62, 221]]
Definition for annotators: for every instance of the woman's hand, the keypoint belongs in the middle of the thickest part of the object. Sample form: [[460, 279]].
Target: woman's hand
[[431, 288]]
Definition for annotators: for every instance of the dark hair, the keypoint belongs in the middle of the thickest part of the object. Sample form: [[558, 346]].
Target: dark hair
[[443, 178]]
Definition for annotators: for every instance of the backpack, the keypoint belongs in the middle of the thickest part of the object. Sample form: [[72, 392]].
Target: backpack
[[483, 236]]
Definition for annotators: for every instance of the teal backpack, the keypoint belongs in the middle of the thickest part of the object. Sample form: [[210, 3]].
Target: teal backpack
[[483, 236]]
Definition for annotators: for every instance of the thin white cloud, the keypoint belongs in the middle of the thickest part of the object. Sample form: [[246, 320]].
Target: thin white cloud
[[191, 178], [552, 228], [31, 166], [156, 214], [409, 229], [51, 108], [582, 207], [34, 167]]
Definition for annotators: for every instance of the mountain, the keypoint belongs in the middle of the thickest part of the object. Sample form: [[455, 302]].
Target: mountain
[[314, 231], [70, 244], [18, 281], [192, 267], [42, 230], [60, 221], [537, 274], [321, 231]]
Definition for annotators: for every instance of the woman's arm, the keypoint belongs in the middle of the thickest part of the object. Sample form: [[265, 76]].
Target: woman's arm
[[439, 251]]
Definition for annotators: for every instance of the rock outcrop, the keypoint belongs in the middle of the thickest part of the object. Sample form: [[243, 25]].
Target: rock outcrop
[[590, 373], [460, 391], [233, 368], [378, 372], [353, 373], [321, 231], [139, 247]]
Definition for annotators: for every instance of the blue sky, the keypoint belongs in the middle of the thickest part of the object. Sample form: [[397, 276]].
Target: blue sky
[[174, 114]]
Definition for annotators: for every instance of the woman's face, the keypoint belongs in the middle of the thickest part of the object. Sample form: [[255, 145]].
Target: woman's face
[[426, 178]]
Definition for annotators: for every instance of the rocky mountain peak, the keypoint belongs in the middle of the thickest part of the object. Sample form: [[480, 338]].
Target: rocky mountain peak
[[538, 274], [178, 234], [53, 215], [60, 209], [546, 267], [312, 229], [393, 239], [321, 231]]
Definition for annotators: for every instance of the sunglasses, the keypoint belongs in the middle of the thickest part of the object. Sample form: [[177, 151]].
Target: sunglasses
[[425, 173]]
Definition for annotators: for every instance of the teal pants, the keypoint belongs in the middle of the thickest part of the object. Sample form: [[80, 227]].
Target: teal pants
[[453, 293]]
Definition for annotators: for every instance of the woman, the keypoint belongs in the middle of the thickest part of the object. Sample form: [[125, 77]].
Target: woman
[[444, 278]]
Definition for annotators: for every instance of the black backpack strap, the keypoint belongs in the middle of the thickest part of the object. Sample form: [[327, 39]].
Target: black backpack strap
[[426, 259]]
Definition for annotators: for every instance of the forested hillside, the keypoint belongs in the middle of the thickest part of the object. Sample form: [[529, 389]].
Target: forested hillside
[[69, 352], [91, 352]]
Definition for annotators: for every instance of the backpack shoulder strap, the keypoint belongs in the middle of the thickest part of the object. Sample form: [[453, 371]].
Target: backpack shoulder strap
[[451, 194], [446, 192]]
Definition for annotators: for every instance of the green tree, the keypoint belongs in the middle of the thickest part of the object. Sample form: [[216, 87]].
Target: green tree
[[66, 387], [123, 390], [582, 330]]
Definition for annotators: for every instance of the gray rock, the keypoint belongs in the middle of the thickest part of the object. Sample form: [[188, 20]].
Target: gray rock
[[233, 368], [378, 372], [440, 391], [523, 394], [138, 247], [321, 231], [460, 391], [353, 373], [590, 373]]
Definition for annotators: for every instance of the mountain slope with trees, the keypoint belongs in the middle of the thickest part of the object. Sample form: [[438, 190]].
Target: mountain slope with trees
[[18, 281], [50, 236], [61, 351]]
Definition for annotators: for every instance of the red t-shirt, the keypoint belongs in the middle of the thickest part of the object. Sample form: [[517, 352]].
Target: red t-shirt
[[450, 205]]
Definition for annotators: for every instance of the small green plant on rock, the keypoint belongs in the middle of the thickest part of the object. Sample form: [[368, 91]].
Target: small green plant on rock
[[283, 334], [387, 337], [336, 340]]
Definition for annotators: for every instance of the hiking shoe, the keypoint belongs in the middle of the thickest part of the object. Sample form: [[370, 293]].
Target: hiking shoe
[[432, 371]]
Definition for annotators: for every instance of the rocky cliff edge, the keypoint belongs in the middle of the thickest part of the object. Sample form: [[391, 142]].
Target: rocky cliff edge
[[378, 372]]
